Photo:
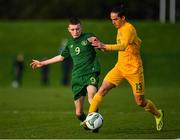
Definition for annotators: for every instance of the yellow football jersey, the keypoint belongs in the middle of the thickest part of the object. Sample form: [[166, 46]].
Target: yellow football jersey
[[128, 47]]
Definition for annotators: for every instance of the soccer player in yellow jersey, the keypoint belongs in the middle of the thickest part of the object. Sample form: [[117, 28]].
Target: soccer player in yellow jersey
[[128, 67]]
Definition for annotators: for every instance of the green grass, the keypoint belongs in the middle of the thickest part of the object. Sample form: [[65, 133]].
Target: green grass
[[49, 113]]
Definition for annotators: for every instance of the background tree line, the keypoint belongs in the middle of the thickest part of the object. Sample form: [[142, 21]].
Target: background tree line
[[60, 9]]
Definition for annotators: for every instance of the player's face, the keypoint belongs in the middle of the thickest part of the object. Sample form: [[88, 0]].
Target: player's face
[[116, 20], [75, 30]]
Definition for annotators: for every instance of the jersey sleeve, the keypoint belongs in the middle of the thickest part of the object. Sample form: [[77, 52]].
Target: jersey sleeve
[[126, 39], [64, 51]]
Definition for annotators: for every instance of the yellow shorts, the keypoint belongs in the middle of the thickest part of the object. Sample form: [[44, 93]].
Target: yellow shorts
[[136, 80]]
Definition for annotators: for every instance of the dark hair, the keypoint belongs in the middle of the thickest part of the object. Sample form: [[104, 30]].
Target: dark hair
[[121, 10], [74, 21]]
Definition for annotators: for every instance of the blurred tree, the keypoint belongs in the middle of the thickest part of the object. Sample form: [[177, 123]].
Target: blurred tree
[[58, 9]]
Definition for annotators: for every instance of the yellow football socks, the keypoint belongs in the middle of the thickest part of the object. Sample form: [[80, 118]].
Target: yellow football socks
[[95, 103], [150, 107]]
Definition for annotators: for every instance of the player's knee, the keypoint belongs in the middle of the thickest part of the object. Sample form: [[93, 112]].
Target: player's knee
[[140, 100], [103, 90], [140, 103], [105, 87]]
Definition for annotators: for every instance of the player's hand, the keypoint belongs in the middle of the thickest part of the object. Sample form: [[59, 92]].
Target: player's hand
[[100, 45], [96, 42], [93, 39], [36, 64]]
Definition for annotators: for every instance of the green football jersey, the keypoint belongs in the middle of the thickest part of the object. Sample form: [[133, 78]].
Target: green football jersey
[[83, 55]]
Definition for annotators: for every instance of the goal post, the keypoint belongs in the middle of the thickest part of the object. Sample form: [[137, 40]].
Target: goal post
[[172, 11], [162, 11]]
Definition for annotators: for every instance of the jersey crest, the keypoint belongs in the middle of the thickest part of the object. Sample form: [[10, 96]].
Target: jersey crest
[[84, 42]]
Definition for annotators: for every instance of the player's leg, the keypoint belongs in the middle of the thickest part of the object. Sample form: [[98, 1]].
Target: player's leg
[[79, 103], [158, 113], [112, 79], [92, 82], [79, 108], [92, 85], [91, 91], [96, 101], [103, 90], [137, 83], [79, 96], [149, 106]]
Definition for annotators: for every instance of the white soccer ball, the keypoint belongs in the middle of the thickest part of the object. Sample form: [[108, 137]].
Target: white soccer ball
[[94, 120]]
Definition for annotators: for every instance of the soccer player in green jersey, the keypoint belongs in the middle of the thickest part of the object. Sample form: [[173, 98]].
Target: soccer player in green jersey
[[86, 68]]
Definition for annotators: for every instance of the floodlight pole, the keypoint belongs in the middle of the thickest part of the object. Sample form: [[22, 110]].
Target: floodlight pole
[[172, 11], [162, 11]]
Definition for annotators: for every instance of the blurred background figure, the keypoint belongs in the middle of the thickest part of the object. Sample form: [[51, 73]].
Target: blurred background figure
[[45, 75], [66, 70], [18, 68], [66, 66]]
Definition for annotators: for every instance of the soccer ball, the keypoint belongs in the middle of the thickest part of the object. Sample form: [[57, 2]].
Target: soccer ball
[[94, 120]]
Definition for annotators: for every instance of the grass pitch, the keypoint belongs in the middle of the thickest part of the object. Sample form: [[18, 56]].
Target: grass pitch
[[30, 113]]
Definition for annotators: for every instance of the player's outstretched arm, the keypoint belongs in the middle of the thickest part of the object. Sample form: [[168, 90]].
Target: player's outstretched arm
[[38, 64]]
